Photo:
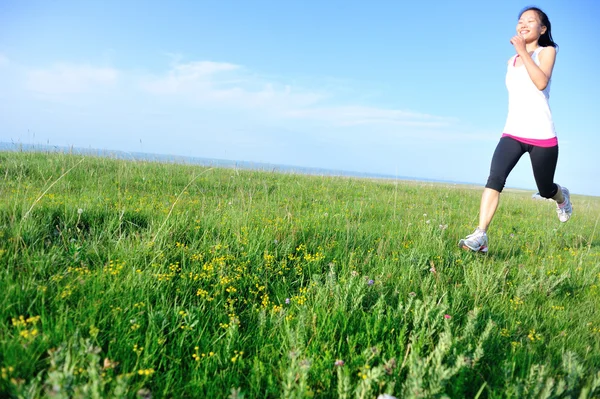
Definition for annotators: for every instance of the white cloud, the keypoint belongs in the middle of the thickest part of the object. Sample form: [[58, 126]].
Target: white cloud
[[185, 78], [3, 60], [232, 86], [64, 79], [232, 90], [225, 84], [355, 115]]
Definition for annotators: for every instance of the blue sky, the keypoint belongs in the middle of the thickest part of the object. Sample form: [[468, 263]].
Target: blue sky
[[393, 87]]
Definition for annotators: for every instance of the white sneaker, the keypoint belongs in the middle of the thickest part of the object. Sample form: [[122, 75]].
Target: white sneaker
[[564, 213], [476, 242]]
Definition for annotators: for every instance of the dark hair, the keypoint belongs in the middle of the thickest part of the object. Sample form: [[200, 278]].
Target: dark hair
[[546, 39]]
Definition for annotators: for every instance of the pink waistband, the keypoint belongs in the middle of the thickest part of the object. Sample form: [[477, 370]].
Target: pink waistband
[[536, 142]]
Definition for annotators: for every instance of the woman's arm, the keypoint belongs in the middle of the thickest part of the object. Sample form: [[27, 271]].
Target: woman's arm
[[540, 75]]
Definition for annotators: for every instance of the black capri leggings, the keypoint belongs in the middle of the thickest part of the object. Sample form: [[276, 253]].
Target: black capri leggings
[[543, 161]]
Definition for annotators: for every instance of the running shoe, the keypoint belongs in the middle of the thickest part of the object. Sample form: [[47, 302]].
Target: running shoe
[[476, 242], [565, 210]]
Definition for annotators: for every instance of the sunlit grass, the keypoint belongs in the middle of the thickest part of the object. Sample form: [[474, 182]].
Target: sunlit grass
[[131, 279]]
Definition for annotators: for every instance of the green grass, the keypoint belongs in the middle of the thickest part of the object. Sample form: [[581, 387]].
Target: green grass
[[131, 279]]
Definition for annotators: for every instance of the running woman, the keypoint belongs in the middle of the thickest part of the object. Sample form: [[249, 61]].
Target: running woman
[[529, 126]]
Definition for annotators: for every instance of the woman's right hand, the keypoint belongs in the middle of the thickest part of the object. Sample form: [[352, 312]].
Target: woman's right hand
[[519, 43]]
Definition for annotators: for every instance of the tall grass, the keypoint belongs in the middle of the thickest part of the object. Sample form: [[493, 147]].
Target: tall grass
[[134, 279]]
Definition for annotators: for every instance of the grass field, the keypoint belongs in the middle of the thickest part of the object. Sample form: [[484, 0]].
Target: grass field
[[133, 279]]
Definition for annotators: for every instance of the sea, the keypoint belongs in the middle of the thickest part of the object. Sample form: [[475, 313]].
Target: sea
[[212, 162]]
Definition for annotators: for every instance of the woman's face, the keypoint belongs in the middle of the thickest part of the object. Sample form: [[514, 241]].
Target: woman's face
[[530, 27]]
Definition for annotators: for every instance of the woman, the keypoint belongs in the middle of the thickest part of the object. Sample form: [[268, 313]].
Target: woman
[[529, 126]]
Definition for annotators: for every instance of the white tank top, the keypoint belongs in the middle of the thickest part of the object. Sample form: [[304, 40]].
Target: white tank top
[[529, 114]]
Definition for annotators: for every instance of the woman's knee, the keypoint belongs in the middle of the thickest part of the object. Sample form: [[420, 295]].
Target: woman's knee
[[496, 182]]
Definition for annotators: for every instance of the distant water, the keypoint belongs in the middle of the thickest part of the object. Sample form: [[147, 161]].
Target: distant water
[[208, 162]]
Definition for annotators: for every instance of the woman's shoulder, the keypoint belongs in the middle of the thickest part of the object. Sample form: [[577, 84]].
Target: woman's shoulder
[[546, 52]]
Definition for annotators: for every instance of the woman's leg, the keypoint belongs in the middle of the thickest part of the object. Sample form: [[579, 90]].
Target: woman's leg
[[507, 154], [558, 197], [489, 203], [543, 162]]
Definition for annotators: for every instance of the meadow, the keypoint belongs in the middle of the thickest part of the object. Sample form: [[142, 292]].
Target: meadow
[[138, 280]]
